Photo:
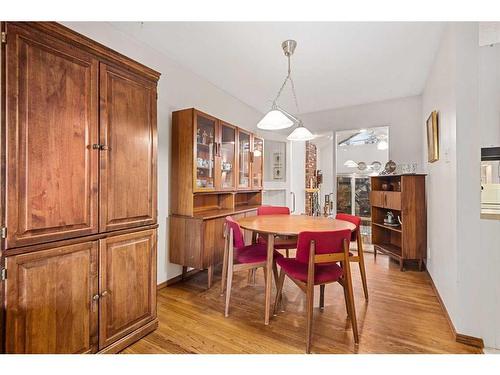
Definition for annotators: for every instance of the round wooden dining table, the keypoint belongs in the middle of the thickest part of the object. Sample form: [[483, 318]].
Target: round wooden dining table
[[286, 225]]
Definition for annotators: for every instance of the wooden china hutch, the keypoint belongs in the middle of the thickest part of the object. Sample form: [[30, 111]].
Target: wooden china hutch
[[78, 195], [217, 170]]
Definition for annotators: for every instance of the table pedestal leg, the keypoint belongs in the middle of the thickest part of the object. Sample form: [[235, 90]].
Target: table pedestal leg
[[269, 277]]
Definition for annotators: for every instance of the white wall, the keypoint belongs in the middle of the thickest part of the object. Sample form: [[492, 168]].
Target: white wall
[[439, 94], [464, 258], [402, 115], [178, 88]]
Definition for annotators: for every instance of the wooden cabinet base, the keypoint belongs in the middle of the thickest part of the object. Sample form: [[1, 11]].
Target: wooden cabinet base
[[138, 334]]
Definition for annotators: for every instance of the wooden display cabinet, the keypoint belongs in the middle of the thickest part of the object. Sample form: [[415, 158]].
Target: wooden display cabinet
[[217, 171], [404, 196]]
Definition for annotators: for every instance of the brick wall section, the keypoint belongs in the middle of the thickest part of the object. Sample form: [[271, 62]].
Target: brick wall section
[[311, 165]]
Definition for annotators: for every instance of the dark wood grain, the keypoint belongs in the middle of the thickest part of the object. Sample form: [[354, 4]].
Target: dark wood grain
[[408, 241], [49, 300], [51, 126], [64, 151], [127, 284], [128, 164], [82, 43]]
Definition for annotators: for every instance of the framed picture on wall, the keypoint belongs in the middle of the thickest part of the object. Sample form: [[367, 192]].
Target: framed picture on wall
[[278, 173], [277, 159], [432, 137]]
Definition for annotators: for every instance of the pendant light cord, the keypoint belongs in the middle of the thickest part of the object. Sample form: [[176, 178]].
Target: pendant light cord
[[288, 78]]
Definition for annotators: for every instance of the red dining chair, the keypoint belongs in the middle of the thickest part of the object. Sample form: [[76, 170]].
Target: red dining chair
[[316, 263], [240, 257], [356, 236], [285, 243]]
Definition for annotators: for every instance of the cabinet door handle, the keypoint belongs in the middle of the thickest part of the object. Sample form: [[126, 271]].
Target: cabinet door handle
[[95, 297], [97, 146], [104, 294]]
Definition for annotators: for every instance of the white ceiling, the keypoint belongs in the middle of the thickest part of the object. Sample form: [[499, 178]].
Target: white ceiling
[[336, 64]]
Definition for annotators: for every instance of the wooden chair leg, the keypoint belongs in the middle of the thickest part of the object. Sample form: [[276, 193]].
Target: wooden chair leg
[[210, 276], [250, 276], [322, 297], [229, 282], [224, 269], [362, 270], [350, 302], [309, 308], [275, 273], [279, 291], [288, 253], [346, 298], [184, 271]]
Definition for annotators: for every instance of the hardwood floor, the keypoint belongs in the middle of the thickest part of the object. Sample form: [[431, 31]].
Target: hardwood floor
[[403, 315]]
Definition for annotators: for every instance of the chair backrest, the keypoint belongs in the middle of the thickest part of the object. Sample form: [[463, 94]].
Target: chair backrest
[[325, 243], [273, 210], [356, 220], [238, 240]]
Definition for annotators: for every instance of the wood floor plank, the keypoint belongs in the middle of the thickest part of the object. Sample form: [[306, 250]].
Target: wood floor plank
[[403, 315]]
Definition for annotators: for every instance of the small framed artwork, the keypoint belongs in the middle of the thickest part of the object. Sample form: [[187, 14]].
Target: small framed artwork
[[277, 159], [432, 137], [278, 173]]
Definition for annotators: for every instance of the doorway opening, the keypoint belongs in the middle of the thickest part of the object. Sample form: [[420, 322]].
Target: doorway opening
[[360, 153]]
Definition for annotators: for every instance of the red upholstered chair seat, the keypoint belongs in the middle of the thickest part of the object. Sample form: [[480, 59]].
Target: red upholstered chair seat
[[255, 253], [323, 273]]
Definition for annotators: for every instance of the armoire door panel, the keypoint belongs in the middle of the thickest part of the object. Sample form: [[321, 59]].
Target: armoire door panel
[[127, 284], [50, 308], [128, 158], [52, 122]]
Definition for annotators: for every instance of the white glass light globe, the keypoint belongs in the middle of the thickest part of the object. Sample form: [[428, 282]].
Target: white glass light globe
[[300, 134], [274, 120]]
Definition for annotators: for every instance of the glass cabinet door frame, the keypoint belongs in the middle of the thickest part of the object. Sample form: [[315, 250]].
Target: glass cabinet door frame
[[223, 124], [197, 188], [250, 144], [252, 166]]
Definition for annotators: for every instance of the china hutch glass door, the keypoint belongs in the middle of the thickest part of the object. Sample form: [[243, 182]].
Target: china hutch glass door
[[257, 162], [244, 159], [227, 156], [205, 152]]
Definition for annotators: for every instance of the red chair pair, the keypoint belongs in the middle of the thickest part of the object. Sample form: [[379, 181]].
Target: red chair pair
[[240, 257], [316, 263]]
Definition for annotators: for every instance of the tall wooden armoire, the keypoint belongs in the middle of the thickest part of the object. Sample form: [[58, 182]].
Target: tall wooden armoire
[[78, 194]]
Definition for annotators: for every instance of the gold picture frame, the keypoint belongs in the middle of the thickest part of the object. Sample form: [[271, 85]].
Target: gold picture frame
[[432, 137]]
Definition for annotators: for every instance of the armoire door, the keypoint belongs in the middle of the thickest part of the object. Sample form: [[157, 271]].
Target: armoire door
[[51, 125], [51, 300], [127, 284], [128, 150]]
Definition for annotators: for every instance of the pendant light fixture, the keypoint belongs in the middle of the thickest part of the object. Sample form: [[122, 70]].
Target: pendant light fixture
[[277, 118]]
